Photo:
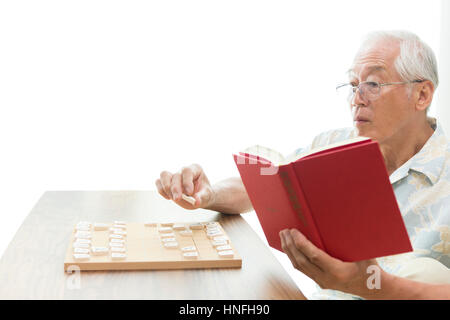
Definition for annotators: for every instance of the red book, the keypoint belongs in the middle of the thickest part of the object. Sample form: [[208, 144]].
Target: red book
[[339, 197]]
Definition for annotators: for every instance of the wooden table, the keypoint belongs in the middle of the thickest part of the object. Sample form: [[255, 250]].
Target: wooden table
[[32, 265]]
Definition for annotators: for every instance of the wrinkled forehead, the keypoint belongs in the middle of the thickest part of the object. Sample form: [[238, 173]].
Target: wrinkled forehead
[[363, 71], [377, 58]]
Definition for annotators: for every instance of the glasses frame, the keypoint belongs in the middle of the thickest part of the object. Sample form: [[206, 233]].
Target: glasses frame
[[379, 85]]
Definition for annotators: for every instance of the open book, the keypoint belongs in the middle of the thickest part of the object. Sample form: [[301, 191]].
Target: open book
[[339, 197]]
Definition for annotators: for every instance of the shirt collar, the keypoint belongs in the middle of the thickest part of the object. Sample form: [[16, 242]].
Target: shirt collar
[[429, 161]]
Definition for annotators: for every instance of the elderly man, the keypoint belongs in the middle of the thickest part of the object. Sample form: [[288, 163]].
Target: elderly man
[[391, 86]]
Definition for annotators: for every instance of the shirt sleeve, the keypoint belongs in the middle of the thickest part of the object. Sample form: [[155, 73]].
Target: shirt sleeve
[[326, 138]]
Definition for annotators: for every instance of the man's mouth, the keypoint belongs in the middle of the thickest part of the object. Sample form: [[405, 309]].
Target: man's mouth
[[360, 119], [359, 116]]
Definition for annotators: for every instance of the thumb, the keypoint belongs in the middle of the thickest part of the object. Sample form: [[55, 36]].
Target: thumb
[[202, 198]]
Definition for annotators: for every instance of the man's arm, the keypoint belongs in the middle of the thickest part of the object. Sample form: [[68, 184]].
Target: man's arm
[[393, 287], [353, 277], [230, 196], [227, 196]]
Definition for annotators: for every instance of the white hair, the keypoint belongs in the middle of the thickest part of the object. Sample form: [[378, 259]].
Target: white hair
[[416, 59]]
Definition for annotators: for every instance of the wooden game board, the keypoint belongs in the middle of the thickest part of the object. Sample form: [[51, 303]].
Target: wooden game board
[[144, 248]]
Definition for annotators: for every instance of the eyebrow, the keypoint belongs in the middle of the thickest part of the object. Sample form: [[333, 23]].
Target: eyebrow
[[372, 69]]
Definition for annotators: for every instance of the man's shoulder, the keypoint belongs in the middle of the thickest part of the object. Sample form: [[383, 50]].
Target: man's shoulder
[[333, 136], [328, 137]]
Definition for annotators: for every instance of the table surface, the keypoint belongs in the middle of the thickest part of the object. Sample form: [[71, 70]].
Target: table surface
[[32, 265]]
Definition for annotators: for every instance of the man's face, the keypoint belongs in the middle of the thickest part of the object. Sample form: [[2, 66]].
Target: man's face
[[380, 118]]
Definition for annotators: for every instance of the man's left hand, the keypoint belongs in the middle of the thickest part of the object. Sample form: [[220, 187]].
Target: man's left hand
[[326, 271]]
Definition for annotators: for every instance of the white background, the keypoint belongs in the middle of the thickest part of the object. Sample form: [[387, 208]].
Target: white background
[[103, 95]]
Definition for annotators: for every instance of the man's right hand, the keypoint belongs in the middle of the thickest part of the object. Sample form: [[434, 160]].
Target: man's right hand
[[191, 181]]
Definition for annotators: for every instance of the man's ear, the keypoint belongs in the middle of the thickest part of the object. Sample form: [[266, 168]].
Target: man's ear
[[424, 95]]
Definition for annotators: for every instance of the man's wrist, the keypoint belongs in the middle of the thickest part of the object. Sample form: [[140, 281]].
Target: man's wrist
[[386, 290], [394, 288], [212, 199]]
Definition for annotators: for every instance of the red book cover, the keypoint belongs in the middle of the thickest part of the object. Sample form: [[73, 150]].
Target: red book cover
[[341, 199], [273, 199]]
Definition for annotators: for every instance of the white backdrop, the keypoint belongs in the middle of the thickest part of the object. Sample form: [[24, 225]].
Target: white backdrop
[[443, 108], [103, 95]]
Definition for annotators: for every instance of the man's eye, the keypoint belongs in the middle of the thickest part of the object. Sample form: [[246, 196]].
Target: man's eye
[[372, 84]]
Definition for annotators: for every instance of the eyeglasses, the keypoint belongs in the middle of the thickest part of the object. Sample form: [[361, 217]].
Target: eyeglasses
[[369, 90]]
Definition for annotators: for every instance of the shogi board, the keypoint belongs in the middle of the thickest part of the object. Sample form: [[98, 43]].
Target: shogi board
[[145, 251]]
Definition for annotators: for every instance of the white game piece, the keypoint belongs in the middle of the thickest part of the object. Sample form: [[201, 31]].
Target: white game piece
[[122, 233], [120, 222], [100, 226], [219, 238], [83, 235], [81, 256], [226, 254], [171, 245], [168, 239], [189, 199], [116, 236], [214, 234], [211, 224], [219, 243], [179, 226], [83, 228], [165, 230], [224, 247], [120, 227], [118, 256], [191, 255], [77, 244], [118, 249], [83, 223], [166, 224], [196, 226], [189, 248], [99, 251], [150, 224], [186, 233], [115, 244], [167, 235], [80, 250], [211, 235], [117, 240], [216, 228], [82, 240]]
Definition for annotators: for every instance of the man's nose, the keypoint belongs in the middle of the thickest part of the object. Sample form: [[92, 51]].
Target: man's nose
[[358, 98]]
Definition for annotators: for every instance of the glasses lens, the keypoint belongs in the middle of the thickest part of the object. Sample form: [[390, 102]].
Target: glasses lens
[[369, 90]]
